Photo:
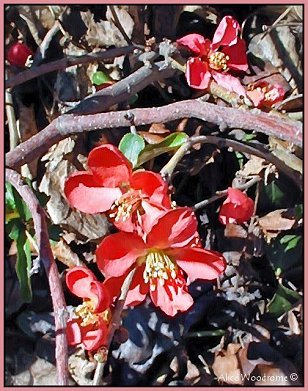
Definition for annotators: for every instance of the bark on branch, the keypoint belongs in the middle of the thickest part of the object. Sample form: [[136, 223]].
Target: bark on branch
[[46, 256], [225, 117]]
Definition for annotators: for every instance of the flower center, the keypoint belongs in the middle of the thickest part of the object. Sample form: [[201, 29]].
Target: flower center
[[218, 61], [126, 205], [159, 267], [85, 311]]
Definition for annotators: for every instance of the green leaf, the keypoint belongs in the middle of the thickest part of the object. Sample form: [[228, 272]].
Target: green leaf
[[282, 301], [299, 211], [100, 77], [17, 203], [131, 145], [9, 197], [291, 241], [171, 142], [23, 266]]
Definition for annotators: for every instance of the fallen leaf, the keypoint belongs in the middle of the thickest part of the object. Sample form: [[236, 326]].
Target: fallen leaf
[[275, 222]]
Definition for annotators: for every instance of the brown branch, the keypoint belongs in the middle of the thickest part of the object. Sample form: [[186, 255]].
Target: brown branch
[[65, 63], [69, 124], [114, 324], [250, 149], [46, 256]]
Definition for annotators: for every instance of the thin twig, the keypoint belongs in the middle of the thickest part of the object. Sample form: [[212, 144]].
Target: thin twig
[[67, 125], [114, 324], [168, 169], [46, 256], [224, 193], [289, 99], [118, 24], [11, 119], [65, 63]]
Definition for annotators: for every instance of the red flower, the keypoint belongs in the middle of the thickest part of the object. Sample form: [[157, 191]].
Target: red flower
[[18, 54], [237, 208], [90, 326], [161, 258], [214, 59], [263, 94], [129, 198]]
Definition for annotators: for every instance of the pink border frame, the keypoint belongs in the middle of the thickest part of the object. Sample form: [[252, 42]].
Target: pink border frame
[[2, 5]]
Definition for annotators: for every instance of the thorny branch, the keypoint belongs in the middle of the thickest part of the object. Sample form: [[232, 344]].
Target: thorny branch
[[46, 256], [65, 63], [225, 117], [262, 153]]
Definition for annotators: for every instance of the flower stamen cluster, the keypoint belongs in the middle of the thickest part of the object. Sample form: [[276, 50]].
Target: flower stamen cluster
[[219, 61], [158, 268]]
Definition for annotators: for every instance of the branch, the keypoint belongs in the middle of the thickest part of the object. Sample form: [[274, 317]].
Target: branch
[[46, 256], [114, 324], [65, 63], [69, 124], [168, 169]]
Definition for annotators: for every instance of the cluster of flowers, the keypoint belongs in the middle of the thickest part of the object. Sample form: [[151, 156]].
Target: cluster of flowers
[[157, 239], [220, 59]]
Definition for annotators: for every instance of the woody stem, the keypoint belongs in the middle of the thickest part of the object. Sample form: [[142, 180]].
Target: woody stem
[[114, 324]]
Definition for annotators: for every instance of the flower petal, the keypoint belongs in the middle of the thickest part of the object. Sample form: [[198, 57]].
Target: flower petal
[[173, 228], [84, 193], [94, 336], [73, 332], [171, 298], [226, 33], [109, 166], [237, 55], [118, 252], [197, 73], [152, 185], [237, 208], [195, 43], [229, 82], [199, 263]]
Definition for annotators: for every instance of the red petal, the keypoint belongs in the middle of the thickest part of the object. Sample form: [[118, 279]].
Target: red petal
[[85, 194], [174, 228], [73, 332], [78, 280], [94, 336], [118, 252], [171, 298], [237, 208], [195, 43], [226, 33], [229, 82], [152, 185], [197, 73], [199, 262], [138, 289], [237, 55], [152, 212], [109, 166]]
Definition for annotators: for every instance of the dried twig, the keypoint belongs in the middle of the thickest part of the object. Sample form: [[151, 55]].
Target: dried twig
[[224, 193], [114, 324], [46, 256], [225, 117], [168, 169], [65, 63]]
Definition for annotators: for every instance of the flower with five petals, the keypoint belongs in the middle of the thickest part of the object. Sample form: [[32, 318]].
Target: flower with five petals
[[167, 258], [214, 59], [130, 199]]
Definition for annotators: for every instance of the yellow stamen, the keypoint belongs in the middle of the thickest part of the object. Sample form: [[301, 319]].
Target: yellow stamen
[[218, 61]]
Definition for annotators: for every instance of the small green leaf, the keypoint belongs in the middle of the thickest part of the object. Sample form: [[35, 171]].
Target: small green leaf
[[131, 145], [23, 266], [18, 203], [9, 197], [299, 211], [173, 141], [291, 241], [100, 77], [282, 301]]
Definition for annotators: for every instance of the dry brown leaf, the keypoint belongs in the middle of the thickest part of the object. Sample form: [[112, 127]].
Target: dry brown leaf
[[158, 128], [275, 222], [151, 138], [235, 231], [64, 254], [254, 166]]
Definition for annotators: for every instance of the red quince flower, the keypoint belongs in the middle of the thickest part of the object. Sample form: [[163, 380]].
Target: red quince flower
[[166, 255], [130, 198], [90, 326], [264, 94], [237, 208], [18, 54], [214, 59]]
